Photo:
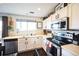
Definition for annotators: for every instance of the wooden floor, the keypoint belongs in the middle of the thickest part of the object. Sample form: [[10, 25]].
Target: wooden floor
[[35, 52]]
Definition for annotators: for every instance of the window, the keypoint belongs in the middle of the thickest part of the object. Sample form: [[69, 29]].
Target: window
[[32, 26], [0, 27], [23, 25]]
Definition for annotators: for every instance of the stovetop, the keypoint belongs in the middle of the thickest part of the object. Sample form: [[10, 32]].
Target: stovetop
[[60, 42]]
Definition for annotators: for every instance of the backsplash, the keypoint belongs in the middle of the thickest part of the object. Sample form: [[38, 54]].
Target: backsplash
[[36, 32]]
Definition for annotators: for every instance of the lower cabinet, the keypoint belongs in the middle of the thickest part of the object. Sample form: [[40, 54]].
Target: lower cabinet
[[66, 53], [38, 42], [44, 44], [29, 43], [21, 44]]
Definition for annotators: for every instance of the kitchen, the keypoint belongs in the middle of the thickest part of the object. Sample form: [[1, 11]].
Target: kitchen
[[29, 32]]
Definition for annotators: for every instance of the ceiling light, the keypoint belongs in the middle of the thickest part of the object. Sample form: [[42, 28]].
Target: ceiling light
[[39, 9], [31, 12]]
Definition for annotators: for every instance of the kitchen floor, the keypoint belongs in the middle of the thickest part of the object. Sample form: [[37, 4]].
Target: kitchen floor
[[35, 52]]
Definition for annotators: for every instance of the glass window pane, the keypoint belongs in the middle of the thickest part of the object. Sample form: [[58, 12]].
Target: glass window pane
[[0, 27], [18, 26], [32, 26], [25, 26]]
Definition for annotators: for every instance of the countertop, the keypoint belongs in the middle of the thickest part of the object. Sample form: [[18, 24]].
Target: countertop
[[74, 49], [14, 37]]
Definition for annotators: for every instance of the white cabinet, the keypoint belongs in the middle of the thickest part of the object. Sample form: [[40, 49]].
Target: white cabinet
[[25, 44], [66, 53], [75, 16], [62, 12], [29, 43], [38, 42], [53, 17], [70, 16], [44, 42], [47, 23], [34, 42], [21, 44], [73, 12]]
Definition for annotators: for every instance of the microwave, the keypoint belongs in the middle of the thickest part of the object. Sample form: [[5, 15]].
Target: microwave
[[61, 24]]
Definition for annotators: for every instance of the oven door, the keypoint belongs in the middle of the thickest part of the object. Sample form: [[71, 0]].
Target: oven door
[[53, 50]]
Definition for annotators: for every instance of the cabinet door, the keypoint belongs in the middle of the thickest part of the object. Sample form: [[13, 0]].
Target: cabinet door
[[44, 44], [30, 43], [70, 15], [53, 16], [38, 43], [66, 53], [21, 44], [49, 23], [75, 16], [45, 24], [62, 12]]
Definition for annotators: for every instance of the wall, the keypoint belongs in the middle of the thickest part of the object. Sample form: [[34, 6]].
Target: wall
[[14, 17]]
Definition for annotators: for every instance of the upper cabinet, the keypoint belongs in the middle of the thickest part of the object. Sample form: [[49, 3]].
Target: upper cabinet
[[62, 13], [74, 16], [53, 17], [47, 23], [71, 11]]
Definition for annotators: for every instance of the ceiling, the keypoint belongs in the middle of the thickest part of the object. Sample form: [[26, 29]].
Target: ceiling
[[28, 9]]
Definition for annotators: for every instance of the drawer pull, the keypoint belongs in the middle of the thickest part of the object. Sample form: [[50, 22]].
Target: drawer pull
[[26, 39]]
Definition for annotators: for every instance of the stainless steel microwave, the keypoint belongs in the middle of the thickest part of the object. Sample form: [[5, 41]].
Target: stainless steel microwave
[[62, 24]]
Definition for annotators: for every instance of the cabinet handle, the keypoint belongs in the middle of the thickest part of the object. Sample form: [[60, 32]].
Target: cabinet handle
[[35, 42], [27, 42], [26, 39], [26, 46]]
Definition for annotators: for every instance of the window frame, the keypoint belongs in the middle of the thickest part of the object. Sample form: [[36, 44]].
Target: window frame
[[24, 20]]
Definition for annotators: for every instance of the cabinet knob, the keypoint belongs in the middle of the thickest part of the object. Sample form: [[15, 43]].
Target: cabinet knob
[[26, 39]]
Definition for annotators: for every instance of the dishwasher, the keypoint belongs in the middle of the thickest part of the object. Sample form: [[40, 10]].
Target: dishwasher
[[11, 46]]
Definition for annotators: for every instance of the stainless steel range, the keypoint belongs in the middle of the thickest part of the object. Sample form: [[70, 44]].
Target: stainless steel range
[[59, 39], [62, 38]]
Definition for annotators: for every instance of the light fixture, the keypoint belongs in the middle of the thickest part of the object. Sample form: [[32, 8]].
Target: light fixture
[[31, 12], [39, 9]]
